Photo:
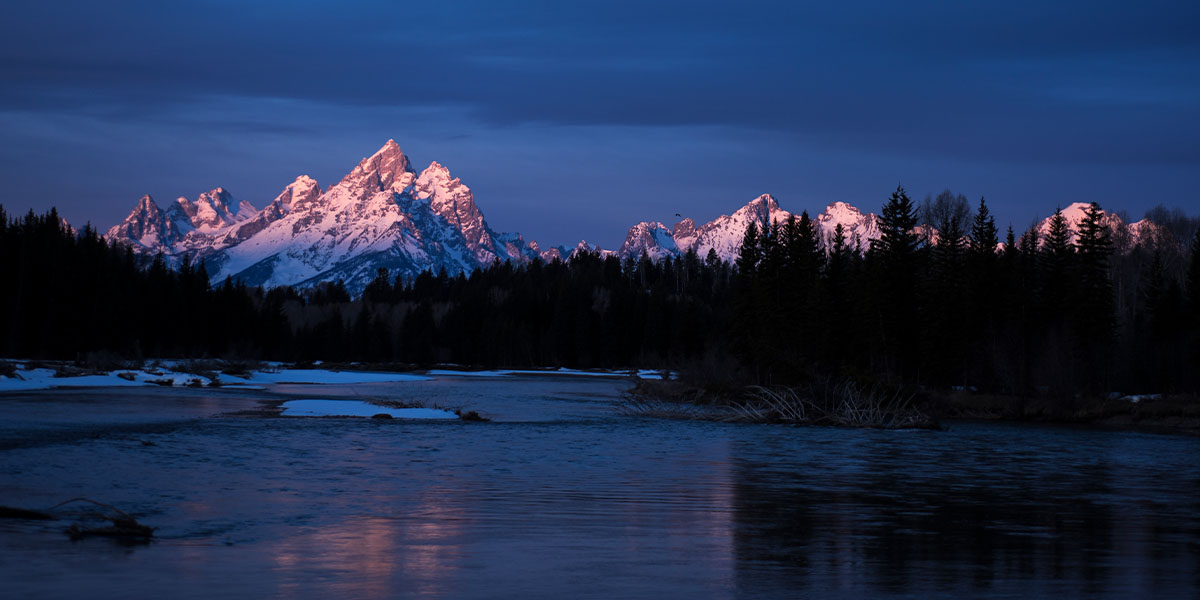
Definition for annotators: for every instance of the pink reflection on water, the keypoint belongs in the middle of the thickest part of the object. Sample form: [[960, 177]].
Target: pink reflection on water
[[417, 552]]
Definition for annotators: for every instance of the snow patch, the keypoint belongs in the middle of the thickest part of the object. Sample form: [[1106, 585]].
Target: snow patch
[[44, 379]]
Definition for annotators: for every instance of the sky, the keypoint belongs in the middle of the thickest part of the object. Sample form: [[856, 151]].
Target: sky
[[574, 120]]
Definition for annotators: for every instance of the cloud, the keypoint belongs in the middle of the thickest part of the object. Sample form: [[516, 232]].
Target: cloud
[[981, 87]]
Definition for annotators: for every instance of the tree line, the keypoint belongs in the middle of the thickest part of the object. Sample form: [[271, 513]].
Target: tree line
[[947, 305], [951, 306], [72, 294]]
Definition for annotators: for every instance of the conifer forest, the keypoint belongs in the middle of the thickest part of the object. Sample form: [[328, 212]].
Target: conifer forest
[[971, 307]]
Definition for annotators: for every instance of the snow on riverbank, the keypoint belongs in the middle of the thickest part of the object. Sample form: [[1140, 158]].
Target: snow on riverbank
[[356, 408], [164, 373], [44, 379]]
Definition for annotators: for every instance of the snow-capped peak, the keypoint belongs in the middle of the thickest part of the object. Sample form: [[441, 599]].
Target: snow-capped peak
[[653, 239], [298, 194], [724, 234], [1130, 234], [146, 204], [858, 228], [386, 166], [147, 227], [212, 211]]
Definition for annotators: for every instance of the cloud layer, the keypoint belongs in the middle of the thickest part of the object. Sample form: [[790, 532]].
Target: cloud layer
[[549, 110]]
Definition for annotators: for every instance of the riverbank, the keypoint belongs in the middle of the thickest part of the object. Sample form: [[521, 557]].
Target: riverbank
[[1157, 412], [923, 409], [26, 375]]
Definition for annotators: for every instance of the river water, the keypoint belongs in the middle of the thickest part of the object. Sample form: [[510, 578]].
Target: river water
[[562, 496]]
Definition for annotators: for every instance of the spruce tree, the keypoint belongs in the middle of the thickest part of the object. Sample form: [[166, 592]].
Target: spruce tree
[[894, 269], [898, 239], [744, 330], [1057, 259], [1095, 291], [769, 298], [804, 261], [1094, 307], [1010, 244], [837, 312], [946, 319], [380, 288], [983, 232]]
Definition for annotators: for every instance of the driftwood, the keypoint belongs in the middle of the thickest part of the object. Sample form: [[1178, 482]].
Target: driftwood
[[124, 528]]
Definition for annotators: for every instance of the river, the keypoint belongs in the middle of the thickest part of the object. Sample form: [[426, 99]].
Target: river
[[562, 496]]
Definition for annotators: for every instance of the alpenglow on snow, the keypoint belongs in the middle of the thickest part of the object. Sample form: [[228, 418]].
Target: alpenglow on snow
[[384, 214]]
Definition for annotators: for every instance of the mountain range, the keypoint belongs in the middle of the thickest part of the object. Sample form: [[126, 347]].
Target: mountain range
[[384, 214]]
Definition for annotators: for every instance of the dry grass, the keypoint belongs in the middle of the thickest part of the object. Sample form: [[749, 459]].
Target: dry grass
[[840, 404]]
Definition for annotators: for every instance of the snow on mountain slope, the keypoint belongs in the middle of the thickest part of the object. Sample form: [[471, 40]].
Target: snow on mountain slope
[[185, 226], [453, 201], [381, 215], [724, 234], [213, 210], [384, 214], [302, 192], [1129, 234], [654, 240], [147, 228], [859, 228]]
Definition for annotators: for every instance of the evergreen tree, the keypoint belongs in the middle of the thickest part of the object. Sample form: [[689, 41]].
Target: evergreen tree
[[745, 322], [983, 232], [894, 270], [1094, 309], [1057, 258], [946, 320], [898, 239], [1095, 291], [837, 299], [380, 288], [804, 262], [1010, 244]]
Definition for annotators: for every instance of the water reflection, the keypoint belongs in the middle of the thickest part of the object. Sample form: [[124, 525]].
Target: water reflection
[[584, 503], [958, 515], [371, 557]]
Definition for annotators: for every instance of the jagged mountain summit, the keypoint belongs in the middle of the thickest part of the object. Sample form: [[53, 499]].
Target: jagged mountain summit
[[1128, 234], [385, 214], [723, 235], [182, 226]]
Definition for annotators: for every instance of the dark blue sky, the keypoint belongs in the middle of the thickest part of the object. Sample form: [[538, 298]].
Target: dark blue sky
[[576, 119]]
